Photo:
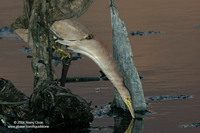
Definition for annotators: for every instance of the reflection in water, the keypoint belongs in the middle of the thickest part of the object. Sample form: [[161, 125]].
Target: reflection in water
[[127, 125], [124, 125], [122, 122], [130, 127]]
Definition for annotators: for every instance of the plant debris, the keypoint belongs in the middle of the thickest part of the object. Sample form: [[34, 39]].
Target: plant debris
[[141, 33], [190, 125], [52, 105], [6, 32], [168, 97]]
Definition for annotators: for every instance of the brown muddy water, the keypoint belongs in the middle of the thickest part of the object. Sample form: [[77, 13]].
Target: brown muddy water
[[169, 62]]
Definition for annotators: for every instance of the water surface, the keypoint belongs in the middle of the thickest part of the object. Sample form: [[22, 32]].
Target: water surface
[[169, 62]]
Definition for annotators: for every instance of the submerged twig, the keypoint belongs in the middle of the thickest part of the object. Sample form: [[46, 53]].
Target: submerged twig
[[66, 64]]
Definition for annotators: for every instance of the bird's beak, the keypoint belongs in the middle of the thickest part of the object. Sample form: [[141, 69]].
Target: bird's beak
[[130, 107]]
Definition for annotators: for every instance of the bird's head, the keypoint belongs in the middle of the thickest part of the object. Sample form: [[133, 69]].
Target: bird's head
[[129, 104], [127, 100]]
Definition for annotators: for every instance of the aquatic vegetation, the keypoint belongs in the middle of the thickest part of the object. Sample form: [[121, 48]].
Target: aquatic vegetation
[[97, 90], [190, 125], [59, 107], [6, 32], [51, 104], [141, 33], [25, 50], [101, 111], [168, 97], [101, 128]]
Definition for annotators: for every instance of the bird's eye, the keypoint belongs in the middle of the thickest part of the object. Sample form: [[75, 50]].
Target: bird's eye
[[55, 38], [90, 36], [128, 99]]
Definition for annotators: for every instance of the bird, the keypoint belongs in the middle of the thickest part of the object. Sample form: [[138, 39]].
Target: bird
[[79, 39]]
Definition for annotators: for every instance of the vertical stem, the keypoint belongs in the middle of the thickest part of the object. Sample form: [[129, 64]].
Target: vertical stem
[[66, 64], [48, 21], [40, 41]]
